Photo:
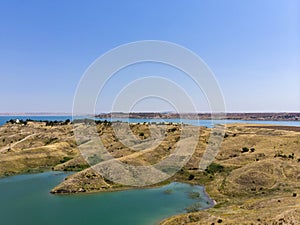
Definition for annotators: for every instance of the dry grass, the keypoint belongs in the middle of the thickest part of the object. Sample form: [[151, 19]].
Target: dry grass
[[260, 188], [258, 183]]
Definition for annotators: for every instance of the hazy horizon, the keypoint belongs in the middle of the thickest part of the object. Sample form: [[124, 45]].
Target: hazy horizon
[[70, 113]]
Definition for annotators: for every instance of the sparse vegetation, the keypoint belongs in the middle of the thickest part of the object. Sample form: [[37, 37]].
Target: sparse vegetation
[[193, 208], [191, 177], [77, 167], [241, 183], [214, 168], [65, 159], [245, 149], [249, 184], [51, 140], [282, 155], [292, 156], [172, 129], [194, 195]]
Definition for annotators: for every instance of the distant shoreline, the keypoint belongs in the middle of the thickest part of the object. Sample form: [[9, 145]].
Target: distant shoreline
[[282, 116], [247, 116]]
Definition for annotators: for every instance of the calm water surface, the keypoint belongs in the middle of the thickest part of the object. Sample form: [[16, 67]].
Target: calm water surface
[[207, 123], [25, 200]]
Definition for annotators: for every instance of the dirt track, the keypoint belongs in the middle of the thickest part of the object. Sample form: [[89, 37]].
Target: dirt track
[[288, 128]]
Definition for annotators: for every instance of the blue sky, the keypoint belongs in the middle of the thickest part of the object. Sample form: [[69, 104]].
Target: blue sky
[[253, 47]]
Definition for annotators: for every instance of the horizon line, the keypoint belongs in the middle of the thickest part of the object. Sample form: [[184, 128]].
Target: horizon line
[[163, 112]]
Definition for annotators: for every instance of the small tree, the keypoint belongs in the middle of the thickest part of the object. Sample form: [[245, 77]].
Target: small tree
[[245, 149]]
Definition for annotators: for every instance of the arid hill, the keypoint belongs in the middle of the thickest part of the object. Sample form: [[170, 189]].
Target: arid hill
[[254, 178]]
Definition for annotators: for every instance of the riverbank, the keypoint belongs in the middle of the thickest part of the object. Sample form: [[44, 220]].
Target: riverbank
[[254, 177], [35, 206], [205, 121]]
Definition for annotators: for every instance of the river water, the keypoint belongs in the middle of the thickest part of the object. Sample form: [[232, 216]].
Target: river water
[[207, 123], [25, 200]]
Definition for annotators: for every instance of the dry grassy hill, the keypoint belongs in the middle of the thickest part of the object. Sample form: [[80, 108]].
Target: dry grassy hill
[[261, 185], [254, 179]]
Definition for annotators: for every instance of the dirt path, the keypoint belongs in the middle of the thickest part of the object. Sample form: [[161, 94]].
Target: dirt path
[[274, 127], [6, 148]]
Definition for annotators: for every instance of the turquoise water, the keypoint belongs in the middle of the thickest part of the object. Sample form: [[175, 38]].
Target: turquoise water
[[207, 123], [25, 200]]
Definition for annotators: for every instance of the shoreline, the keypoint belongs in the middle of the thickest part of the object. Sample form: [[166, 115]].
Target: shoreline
[[117, 189], [203, 194], [244, 116], [241, 177]]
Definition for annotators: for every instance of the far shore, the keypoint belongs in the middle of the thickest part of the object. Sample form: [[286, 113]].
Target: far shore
[[248, 116]]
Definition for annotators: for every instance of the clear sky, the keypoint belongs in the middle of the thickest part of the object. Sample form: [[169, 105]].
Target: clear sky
[[253, 47]]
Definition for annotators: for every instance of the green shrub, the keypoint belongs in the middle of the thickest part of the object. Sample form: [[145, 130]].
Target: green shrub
[[214, 168], [280, 154], [245, 149], [193, 208], [172, 129], [191, 177], [65, 159]]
